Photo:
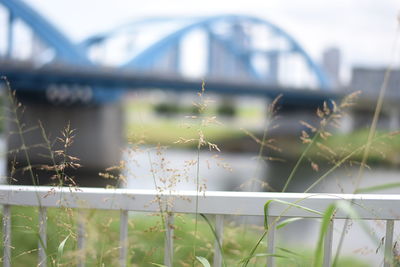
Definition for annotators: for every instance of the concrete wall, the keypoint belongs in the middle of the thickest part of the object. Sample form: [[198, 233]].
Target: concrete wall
[[369, 80]]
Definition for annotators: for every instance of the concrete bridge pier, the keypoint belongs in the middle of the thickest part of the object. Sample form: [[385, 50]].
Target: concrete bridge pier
[[98, 141]]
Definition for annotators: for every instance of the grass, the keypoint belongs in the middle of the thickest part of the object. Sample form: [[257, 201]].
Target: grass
[[164, 132], [142, 121], [386, 150], [193, 237], [146, 240]]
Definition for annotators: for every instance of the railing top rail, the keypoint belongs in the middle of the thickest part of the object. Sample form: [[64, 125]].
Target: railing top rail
[[367, 206]]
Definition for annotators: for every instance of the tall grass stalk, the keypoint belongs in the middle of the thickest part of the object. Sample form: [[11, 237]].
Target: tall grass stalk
[[215, 235], [372, 131], [269, 225], [200, 142], [299, 161], [197, 202], [203, 121], [263, 144], [16, 111], [59, 168], [163, 211], [156, 187], [15, 106], [328, 115], [336, 165]]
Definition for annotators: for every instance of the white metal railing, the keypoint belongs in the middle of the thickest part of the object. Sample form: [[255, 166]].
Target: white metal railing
[[368, 207]]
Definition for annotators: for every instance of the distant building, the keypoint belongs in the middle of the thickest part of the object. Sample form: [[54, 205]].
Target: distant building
[[370, 80]]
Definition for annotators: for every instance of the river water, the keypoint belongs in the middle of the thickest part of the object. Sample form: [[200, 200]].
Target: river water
[[177, 169], [244, 172]]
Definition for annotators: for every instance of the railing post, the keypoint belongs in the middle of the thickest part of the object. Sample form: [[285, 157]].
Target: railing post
[[328, 245], [388, 257], [169, 242], [81, 239], [6, 236], [123, 238], [271, 241], [42, 237], [219, 230]]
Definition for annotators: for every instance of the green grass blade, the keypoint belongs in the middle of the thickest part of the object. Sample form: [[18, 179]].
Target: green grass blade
[[203, 261], [289, 251], [287, 221], [351, 212], [302, 156], [348, 209], [326, 220], [60, 249], [266, 208], [247, 259], [158, 265], [258, 255], [377, 187]]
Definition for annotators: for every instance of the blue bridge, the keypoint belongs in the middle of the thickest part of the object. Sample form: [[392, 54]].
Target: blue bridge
[[59, 80], [231, 47]]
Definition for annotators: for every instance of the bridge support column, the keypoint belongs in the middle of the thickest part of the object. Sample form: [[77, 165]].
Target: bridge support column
[[97, 143], [347, 123]]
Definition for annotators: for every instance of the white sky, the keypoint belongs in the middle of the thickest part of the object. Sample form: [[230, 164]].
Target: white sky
[[364, 30]]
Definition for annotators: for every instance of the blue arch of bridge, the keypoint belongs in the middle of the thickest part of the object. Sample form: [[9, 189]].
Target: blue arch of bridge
[[158, 47], [101, 37], [65, 49], [71, 53]]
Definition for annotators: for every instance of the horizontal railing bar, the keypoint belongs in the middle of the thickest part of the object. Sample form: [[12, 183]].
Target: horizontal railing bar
[[367, 206]]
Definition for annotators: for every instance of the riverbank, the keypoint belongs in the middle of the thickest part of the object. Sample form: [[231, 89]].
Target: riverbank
[[385, 149]]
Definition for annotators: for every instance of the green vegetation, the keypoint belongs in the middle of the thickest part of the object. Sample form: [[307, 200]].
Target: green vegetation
[[144, 122], [146, 240], [164, 132], [227, 109], [385, 147], [244, 245]]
